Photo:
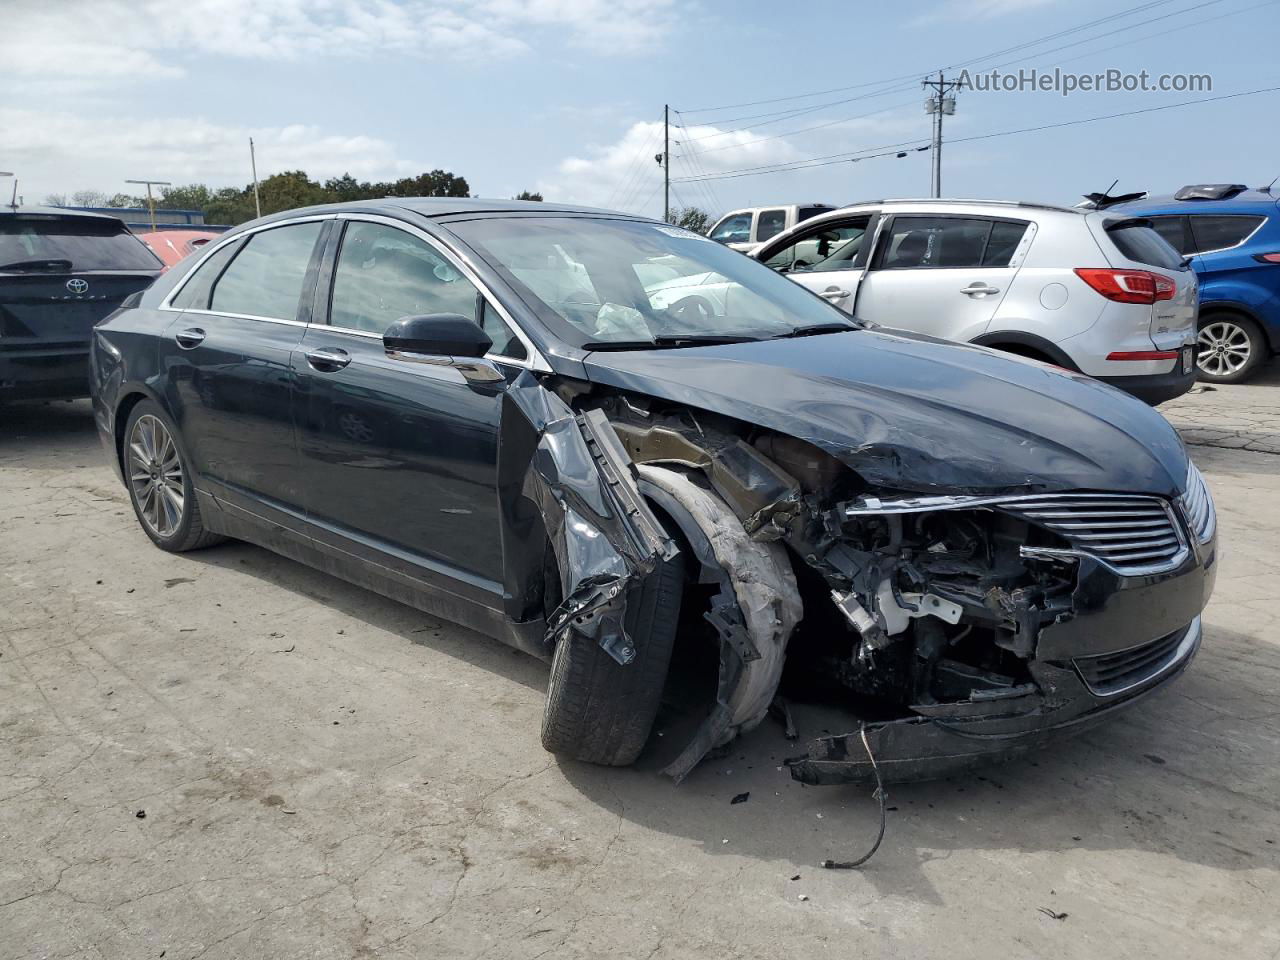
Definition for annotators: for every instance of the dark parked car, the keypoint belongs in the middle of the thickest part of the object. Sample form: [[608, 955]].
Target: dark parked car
[[61, 271], [507, 415]]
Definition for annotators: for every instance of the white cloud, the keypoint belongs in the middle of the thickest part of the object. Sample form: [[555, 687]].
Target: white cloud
[[59, 153], [625, 175], [115, 39]]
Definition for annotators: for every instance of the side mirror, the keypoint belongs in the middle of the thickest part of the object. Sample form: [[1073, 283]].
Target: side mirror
[[437, 334]]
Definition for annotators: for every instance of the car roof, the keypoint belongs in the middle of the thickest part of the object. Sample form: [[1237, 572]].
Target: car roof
[[1247, 201], [63, 212], [437, 208]]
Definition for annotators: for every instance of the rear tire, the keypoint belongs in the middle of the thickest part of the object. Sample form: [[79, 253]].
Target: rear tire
[[1230, 348], [598, 710], [157, 474]]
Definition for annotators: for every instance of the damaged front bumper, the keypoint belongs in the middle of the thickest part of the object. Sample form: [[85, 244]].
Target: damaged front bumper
[[959, 737]]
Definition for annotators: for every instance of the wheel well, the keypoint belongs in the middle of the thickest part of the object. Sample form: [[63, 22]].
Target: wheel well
[[1232, 312], [122, 417], [1022, 350]]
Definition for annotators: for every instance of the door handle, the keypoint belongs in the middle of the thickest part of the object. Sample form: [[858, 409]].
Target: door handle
[[189, 339], [833, 293], [978, 289], [328, 359]]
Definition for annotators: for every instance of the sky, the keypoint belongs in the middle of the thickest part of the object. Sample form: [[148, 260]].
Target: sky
[[566, 96]]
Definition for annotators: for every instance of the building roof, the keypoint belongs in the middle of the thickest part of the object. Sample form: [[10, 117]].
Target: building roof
[[43, 211]]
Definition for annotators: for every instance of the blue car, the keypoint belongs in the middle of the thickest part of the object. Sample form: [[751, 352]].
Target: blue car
[[1231, 235]]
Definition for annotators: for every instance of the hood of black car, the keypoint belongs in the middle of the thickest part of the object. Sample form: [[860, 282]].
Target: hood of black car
[[915, 413]]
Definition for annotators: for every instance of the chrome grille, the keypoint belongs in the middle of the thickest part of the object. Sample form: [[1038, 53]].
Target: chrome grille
[[1130, 533], [1197, 506]]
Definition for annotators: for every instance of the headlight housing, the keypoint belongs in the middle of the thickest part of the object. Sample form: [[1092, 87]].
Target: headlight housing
[[1197, 505]]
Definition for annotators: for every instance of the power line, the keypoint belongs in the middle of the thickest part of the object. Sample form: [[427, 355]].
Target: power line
[[1115, 116], [915, 75], [818, 126], [846, 158], [890, 149]]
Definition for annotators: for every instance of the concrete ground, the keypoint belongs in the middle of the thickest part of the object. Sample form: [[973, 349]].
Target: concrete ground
[[227, 755]]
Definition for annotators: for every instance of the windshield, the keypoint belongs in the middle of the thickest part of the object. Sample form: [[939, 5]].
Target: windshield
[[602, 282], [71, 244]]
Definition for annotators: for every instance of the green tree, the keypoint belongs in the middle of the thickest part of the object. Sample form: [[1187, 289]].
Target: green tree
[[691, 218], [528, 195], [437, 183], [193, 196]]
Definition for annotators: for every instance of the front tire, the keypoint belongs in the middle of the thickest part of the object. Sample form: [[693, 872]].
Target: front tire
[[1230, 348], [598, 710], [158, 476]]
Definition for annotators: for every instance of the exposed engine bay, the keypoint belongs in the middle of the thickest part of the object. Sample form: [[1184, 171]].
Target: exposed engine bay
[[900, 608]]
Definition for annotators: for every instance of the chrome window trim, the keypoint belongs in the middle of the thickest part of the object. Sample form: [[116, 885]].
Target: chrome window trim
[[1262, 222], [208, 251], [534, 361], [237, 316]]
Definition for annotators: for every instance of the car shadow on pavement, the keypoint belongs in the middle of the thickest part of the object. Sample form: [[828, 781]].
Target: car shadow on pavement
[[29, 422], [376, 611], [1201, 752]]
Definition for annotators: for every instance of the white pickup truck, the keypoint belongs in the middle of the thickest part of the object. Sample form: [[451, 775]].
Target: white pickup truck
[[746, 229]]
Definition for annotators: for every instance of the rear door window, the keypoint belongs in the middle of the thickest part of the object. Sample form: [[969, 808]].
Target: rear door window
[[265, 278], [194, 294], [770, 223], [938, 242], [1003, 242], [806, 213], [83, 244], [1137, 240], [1219, 232]]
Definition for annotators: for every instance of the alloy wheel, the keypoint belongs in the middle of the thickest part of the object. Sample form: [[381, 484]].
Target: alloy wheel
[[1225, 348], [155, 476]]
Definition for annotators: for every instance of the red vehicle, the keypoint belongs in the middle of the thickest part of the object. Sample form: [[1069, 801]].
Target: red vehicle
[[172, 245]]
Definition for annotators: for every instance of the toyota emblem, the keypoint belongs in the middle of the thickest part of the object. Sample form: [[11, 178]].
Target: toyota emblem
[[77, 286]]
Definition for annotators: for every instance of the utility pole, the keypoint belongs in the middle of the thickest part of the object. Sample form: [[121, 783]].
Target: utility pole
[[664, 159], [151, 203], [253, 163], [939, 104]]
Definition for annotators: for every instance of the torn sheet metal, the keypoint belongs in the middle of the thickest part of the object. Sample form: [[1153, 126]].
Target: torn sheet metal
[[764, 496], [754, 622], [585, 504]]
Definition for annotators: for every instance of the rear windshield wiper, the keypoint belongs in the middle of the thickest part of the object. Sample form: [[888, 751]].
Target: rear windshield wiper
[[670, 340], [56, 263], [814, 329]]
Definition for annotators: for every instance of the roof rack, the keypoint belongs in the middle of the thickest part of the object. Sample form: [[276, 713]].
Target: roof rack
[[960, 200], [1210, 191]]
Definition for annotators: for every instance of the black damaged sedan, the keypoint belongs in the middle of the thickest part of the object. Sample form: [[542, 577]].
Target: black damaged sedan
[[660, 466]]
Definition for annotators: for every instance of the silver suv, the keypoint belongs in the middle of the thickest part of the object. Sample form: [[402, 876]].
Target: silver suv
[[1095, 291]]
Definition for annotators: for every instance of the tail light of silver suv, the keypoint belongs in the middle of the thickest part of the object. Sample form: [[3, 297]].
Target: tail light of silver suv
[[1128, 286]]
